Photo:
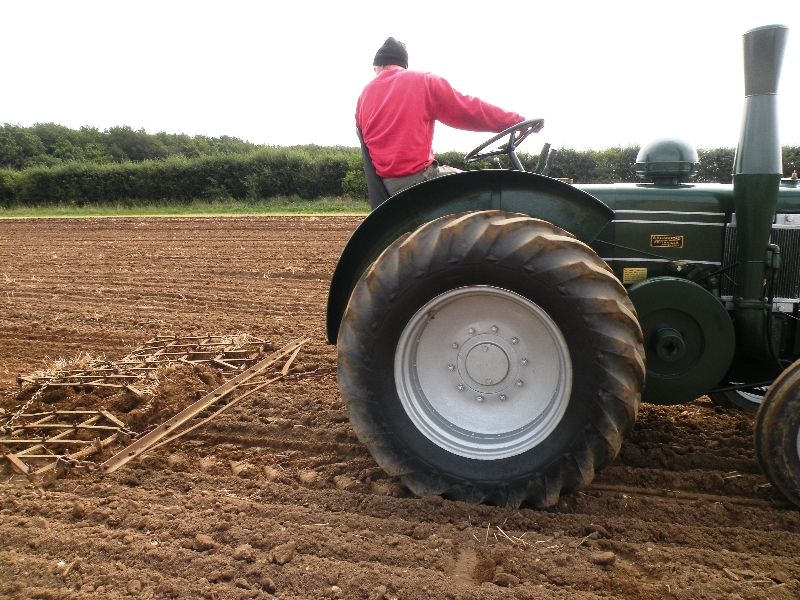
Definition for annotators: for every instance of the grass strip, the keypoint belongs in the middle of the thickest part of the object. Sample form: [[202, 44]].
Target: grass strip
[[279, 205]]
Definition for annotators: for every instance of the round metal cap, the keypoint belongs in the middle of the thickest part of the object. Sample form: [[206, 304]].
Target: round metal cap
[[667, 158]]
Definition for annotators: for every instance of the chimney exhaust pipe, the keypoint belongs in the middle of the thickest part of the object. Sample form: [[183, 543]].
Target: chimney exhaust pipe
[[757, 172]]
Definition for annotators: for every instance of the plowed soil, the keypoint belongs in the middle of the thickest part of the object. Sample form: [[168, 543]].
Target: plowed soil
[[277, 497]]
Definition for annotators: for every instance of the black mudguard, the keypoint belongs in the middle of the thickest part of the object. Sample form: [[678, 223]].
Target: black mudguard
[[541, 197]]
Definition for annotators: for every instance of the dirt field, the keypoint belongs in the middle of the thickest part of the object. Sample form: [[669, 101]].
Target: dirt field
[[278, 497]]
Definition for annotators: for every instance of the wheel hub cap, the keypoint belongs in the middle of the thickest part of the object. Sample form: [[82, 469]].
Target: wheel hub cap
[[484, 362]]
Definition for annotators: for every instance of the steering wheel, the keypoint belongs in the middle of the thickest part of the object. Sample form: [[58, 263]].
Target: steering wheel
[[516, 135]]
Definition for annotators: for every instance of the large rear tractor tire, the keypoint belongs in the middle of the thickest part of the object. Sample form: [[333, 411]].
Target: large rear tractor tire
[[777, 434], [491, 357]]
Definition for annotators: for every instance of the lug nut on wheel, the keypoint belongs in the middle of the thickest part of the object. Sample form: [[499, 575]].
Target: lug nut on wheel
[[502, 397], [460, 387], [451, 367], [514, 340], [471, 330], [524, 362], [518, 383], [479, 398], [495, 329]]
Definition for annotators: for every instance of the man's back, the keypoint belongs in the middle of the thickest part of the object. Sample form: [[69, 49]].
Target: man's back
[[394, 113]]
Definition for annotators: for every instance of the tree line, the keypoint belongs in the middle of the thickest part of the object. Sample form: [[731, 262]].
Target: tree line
[[53, 164], [49, 144]]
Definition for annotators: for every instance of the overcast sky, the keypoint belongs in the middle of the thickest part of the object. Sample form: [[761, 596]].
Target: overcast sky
[[601, 74]]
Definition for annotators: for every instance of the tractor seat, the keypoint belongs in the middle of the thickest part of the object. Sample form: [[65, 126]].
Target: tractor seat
[[375, 187]]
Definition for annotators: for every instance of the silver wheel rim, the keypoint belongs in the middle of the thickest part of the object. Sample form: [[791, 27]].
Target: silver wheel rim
[[751, 397], [754, 398], [483, 372], [798, 443]]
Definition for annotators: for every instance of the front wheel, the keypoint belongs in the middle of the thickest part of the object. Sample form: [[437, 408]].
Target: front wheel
[[491, 357], [777, 434]]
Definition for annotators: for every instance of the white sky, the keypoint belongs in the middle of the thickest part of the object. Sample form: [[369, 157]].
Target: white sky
[[601, 73]]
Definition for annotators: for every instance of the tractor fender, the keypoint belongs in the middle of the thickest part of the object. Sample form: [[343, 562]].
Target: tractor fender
[[561, 204]]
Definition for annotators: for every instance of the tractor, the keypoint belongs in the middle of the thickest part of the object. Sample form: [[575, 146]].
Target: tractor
[[497, 329]]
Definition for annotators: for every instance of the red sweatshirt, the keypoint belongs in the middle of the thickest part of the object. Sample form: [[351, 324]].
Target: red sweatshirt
[[397, 110]]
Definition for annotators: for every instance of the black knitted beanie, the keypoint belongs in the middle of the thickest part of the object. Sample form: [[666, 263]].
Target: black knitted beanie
[[391, 53]]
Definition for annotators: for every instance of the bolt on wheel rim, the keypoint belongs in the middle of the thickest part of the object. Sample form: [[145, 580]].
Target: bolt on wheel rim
[[506, 351]]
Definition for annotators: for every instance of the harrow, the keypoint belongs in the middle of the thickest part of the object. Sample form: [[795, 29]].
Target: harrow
[[45, 442]]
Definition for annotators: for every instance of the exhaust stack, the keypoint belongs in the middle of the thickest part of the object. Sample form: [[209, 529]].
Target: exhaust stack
[[757, 172]]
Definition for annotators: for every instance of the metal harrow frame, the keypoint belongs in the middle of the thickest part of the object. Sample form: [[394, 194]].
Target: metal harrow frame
[[38, 443], [47, 439], [172, 427], [232, 354]]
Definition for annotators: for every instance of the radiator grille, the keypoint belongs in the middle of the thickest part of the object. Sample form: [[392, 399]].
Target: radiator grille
[[788, 239]]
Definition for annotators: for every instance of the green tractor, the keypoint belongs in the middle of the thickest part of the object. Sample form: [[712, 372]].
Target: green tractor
[[497, 329]]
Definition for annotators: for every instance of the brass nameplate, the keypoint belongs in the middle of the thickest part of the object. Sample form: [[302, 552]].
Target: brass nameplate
[[632, 275], [666, 241]]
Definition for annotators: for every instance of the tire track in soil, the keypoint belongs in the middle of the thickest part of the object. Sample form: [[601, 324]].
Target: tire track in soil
[[684, 508]]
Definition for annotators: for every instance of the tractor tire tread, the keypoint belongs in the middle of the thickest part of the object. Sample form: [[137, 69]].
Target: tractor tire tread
[[554, 257]]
